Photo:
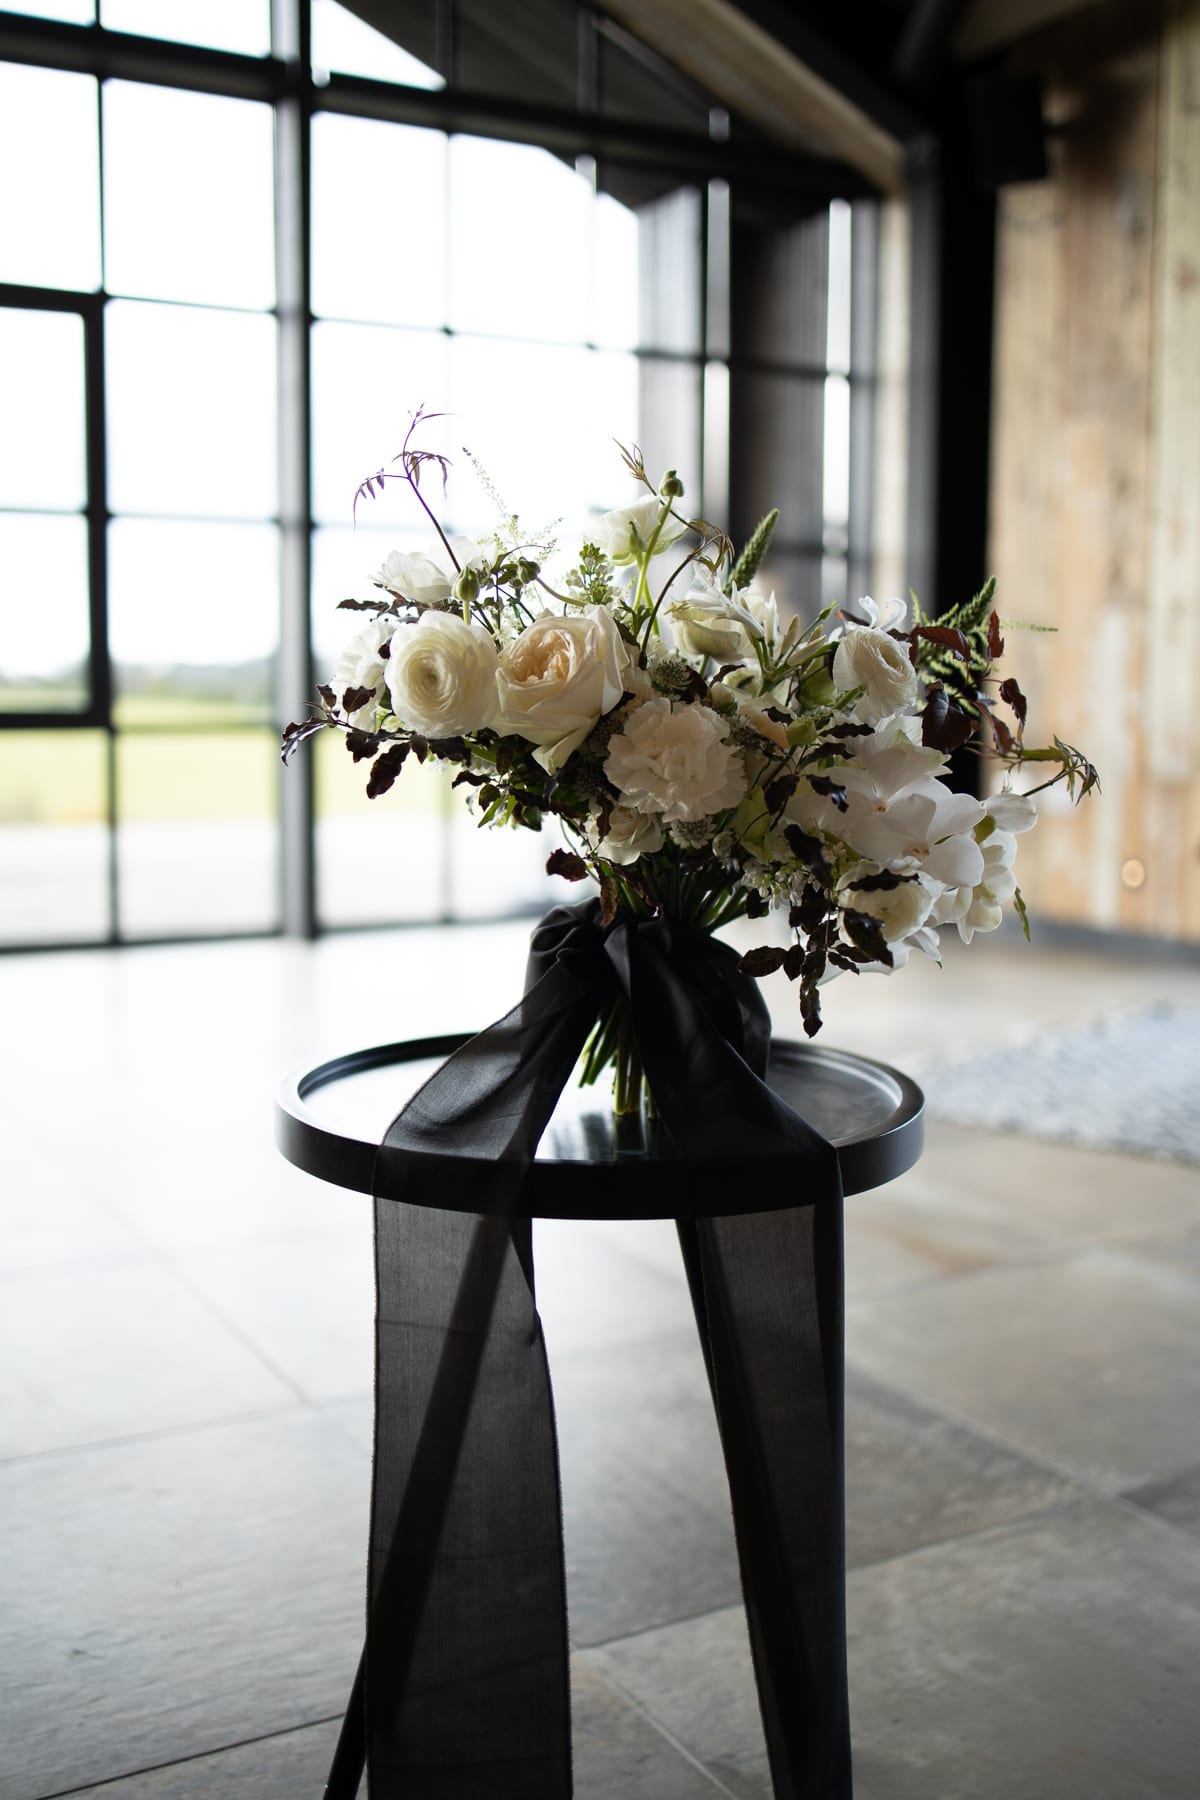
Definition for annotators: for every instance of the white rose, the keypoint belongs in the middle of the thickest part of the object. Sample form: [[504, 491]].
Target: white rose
[[441, 675], [901, 910], [558, 677], [875, 662], [674, 760], [630, 835], [363, 664], [427, 576], [612, 532]]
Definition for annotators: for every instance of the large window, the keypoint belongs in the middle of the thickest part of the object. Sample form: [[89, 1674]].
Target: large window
[[231, 265]]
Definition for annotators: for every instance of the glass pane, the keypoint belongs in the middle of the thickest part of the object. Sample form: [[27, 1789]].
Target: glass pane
[[534, 56], [541, 419], [367, 381], [41, 381], [197, 838], [670, 240], [837, 452], [635, 83], [44, 629], [378, 221], [343, 562], [535, 284], [669, 413], [343, 43], [188, 196], [493, 872], [379, 860], [53, 837], [614, 274], [50, 218], [193, 621], [191, 411], [837, 338], [242, 25]]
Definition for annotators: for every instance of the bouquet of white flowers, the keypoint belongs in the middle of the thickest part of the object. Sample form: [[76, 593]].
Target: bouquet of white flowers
[[705, 756]]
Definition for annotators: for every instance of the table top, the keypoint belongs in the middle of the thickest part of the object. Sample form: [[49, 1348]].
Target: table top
[[330, 1119]]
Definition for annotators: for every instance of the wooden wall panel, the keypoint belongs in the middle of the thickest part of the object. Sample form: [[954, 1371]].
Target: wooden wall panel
[[1095, 505]]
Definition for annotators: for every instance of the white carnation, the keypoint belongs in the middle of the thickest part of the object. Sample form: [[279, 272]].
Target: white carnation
[[675, 760], [441, 676]]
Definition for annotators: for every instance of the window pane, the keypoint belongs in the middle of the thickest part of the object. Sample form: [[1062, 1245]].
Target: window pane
[[343, 43], [53, 837], [193, 620], [197, 848], [535, 285], [378, 221], [343, 562], [191, 405], [378, 860], [50, 218], [44, 629], [541, 418], [500, 871], [41, 382], [614, 274], [837, 341], [367, 381], [669, 409], [188, 196], [242, 25]]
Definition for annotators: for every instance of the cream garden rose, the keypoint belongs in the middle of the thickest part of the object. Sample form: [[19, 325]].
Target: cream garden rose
[[874, 661], [675, 760], [557, 677], [441, 676]]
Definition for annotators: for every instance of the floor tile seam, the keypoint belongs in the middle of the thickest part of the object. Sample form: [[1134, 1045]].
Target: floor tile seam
[[1180, 1535], [240, 1335], [179, 1762], [11, 1275], [986, 1433], [975, 1532], [1046, 1257], [195, 1427], [692, 1618], [656, 1725]]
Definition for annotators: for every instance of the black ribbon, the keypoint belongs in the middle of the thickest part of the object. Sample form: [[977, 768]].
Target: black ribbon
[[466, 1687]]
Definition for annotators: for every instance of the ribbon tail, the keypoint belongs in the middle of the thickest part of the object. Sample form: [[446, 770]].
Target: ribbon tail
[[770, 1311]]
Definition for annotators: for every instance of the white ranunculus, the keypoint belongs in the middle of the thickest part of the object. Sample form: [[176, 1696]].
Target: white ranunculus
[[441, 675], [869, 659], [630, 835], [901, 910], [363, 664], [675, 760], [558, 677], [426, 576], [612, 532]]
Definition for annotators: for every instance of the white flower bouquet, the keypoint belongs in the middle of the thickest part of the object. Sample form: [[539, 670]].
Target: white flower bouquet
[[705, 756]]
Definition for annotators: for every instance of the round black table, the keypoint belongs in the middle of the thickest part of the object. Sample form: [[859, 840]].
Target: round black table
[[329, 1121], [459, 1346]]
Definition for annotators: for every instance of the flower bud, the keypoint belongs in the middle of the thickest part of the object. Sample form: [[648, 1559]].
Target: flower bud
[[466, 585], [672, 487], [527, 571]]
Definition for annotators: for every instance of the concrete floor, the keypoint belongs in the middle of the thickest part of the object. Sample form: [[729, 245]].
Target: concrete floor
[[185, 1372]]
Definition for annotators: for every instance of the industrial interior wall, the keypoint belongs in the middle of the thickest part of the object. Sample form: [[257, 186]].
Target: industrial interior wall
[[1095, 497]]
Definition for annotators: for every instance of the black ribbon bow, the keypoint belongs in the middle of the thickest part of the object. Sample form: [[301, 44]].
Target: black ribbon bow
[[465, 1690]]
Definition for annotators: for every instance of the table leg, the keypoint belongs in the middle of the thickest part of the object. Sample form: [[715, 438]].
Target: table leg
[[767, 1290]]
